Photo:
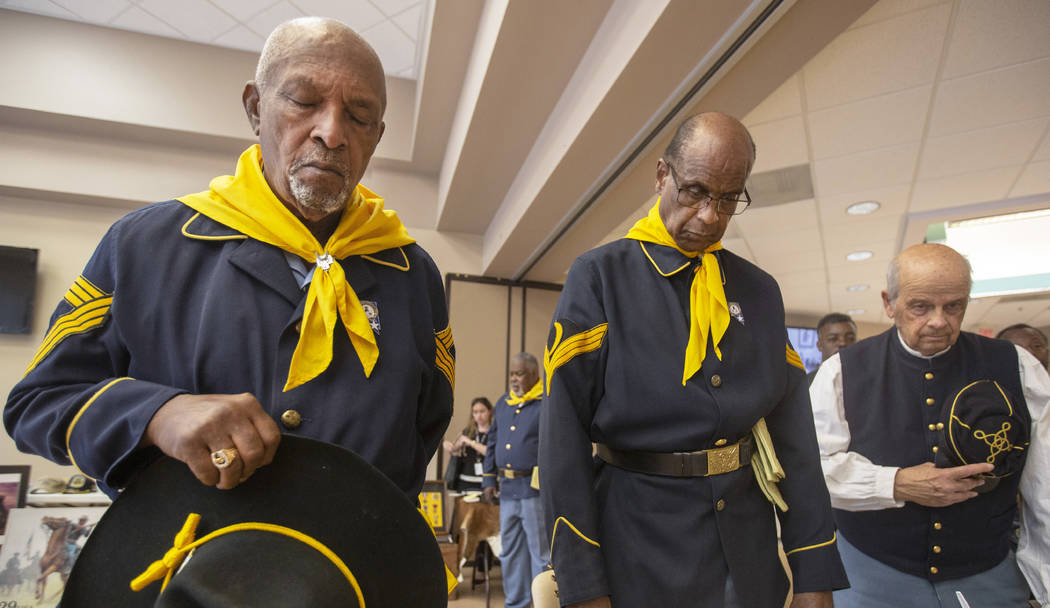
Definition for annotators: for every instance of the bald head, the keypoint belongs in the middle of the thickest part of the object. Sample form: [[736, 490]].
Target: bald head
[[927, 289], [721, 127], [291, 38]]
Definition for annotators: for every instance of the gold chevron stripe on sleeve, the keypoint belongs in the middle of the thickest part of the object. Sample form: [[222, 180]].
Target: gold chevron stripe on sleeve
[[794, 359], [565, 350], [443, 357], [554, 533], [90, 310]]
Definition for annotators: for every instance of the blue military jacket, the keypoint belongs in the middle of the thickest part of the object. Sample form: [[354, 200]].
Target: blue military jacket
[[512, 444], [173, 302], [614, 365]]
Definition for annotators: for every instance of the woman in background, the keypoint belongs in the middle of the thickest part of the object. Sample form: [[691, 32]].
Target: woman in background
[[470, 447]]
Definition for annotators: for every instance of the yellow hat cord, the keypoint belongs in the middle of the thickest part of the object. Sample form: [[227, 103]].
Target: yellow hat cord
[[184, 544]]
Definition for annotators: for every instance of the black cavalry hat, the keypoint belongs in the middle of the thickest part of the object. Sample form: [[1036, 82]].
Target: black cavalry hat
[[981, 424], [319, 526]]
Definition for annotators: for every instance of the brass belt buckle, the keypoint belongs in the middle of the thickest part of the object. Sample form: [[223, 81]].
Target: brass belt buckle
[[723, 460]]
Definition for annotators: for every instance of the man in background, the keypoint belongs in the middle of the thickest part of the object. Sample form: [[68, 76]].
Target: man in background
[[834, 331], [913, 533], [284, 297], [510, 460], [1028, 338]]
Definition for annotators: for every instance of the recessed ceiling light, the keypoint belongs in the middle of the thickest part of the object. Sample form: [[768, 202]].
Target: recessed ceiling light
[[855, 311], [857, 287], [863, 208], [859, 256]]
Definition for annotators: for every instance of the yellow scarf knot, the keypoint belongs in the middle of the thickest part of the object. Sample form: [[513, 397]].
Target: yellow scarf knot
[[533, 393], [709, 311], [244, 202]]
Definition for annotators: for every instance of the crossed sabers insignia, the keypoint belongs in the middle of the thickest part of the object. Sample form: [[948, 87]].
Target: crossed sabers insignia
[[997, 442]]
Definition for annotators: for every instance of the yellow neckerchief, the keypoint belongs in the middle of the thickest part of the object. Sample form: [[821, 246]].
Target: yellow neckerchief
[[707, 298], [184, 544], [245, 203], [534, 393]]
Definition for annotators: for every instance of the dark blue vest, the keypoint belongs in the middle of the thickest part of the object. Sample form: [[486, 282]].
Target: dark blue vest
[[891, 400]]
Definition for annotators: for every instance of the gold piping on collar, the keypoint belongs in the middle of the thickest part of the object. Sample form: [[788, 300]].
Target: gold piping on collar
[[657, 266], [201, 237], [402, 268]]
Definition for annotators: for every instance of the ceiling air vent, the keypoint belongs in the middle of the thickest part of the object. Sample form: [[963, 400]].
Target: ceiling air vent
[[780, 186]]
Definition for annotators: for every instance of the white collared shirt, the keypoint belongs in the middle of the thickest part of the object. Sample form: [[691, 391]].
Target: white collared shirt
[[857, 484]]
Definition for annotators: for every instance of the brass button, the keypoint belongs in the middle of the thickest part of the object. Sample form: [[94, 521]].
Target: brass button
[[513, 428], [716, 380], [934, 570], [934, 449], [933, 427], [936, 549], [291, 419], [940, 426], [508, 465], [720, 505], [721, 442], [930, 401], [929, 376], [517, 411], [937, 525], [299, 327], [508, 446]]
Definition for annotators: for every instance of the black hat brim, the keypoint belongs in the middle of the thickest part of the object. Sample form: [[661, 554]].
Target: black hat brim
[[321, 490]]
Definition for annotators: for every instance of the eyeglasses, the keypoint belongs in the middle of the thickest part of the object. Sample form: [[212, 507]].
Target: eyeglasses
[[696, 198]]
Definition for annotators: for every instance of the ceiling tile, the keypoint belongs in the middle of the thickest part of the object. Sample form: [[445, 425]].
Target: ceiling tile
[[410, 21], [871, 272], [891, 55], [243, 10], [358, 14], [1006, 313], [865, 171], [265, 22], [773, 260], [965, 189], [875, 122], [1034, 180], [783, 102], [95, 11], [802, 278], [778, 219], [138, 20], [241, 38], [805, 300], [1001, 146], [395, 49], [779, 144], [989, 35], [395, 7], [992, 98], [976, 309], [1041, 319], [886, 9], [41, 7], [870, 231], [197, 19], [785, 244], [893, 201]]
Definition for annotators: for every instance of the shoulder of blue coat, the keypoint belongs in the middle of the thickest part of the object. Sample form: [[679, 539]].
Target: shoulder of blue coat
[[733, 264]]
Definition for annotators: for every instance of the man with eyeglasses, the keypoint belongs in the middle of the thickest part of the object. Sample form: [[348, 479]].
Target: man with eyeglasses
[[670, 354]]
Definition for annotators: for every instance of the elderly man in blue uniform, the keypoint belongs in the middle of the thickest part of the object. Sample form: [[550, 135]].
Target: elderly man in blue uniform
[[914, 533], [510, 459], [670, 353], [285, 294]]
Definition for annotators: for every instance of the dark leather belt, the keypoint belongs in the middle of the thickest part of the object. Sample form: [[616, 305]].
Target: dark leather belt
[[703, 463], [512, 474]]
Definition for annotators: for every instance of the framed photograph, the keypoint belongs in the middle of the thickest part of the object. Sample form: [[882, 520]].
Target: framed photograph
[[39, 552], [14, 480], [433, 501]]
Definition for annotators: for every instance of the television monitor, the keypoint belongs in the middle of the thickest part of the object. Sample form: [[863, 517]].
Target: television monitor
[[804, 341], [17, 285]]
